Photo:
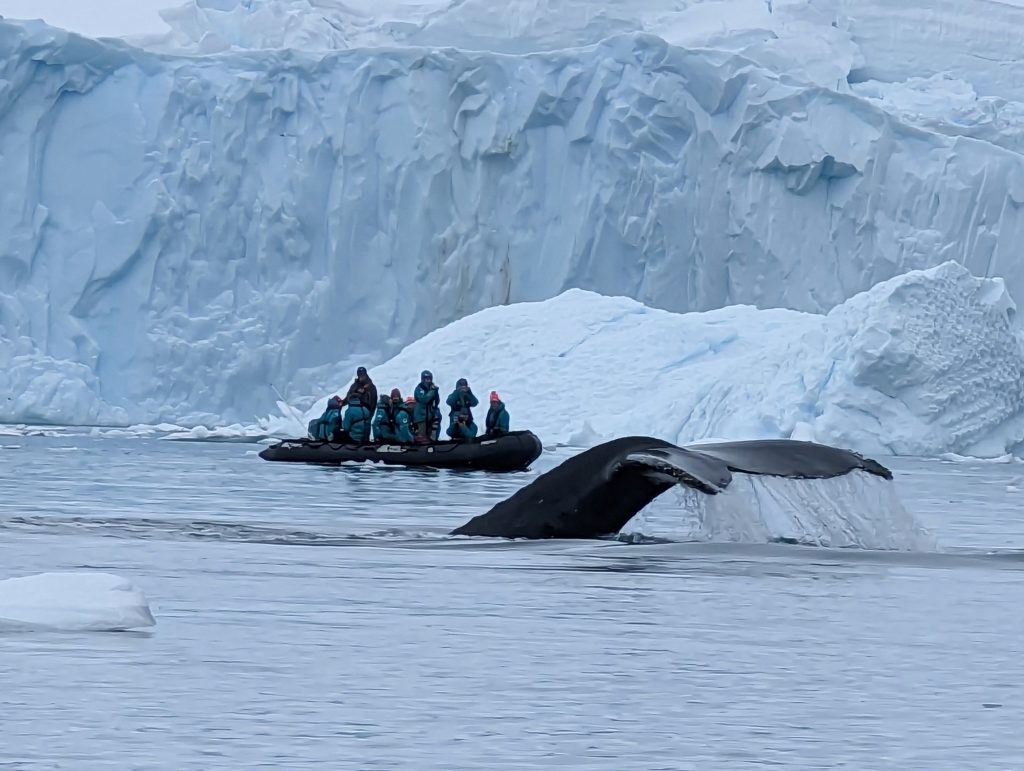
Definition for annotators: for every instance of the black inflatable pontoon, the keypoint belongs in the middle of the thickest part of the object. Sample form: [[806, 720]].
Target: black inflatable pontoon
[[513, 452]]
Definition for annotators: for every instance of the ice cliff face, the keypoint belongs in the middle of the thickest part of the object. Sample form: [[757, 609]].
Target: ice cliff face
[[181, 234]]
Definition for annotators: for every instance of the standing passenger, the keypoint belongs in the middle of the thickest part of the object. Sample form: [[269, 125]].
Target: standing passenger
[[363, 386], [427, 414]]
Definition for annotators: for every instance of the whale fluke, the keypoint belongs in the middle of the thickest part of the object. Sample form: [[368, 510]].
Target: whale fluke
[[598, 491]]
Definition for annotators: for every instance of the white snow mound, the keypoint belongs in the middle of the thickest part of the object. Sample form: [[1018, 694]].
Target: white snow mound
[[74, 601], [922, 364]]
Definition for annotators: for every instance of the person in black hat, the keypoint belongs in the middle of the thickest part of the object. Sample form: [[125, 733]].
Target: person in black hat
[[363, 386], [426, 415], [462, 428]]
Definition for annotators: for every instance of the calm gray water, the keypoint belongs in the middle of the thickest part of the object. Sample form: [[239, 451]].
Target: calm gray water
[[316, 618]]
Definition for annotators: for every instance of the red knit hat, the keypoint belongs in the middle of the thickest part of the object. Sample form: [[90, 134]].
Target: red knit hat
[[410, 399], [495, 397]]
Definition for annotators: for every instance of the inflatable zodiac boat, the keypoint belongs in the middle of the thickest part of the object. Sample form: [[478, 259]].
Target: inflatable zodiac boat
[[514, 451]]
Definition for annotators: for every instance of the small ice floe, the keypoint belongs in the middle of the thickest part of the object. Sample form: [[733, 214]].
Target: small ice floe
[[73, 601]]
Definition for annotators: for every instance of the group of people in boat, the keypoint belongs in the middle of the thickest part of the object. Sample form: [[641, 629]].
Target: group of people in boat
[[414, 420]]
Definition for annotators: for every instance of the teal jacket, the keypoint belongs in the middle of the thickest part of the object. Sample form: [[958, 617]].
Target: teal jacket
[[324, 427], [427, 401], [467, 431], [496, 422], [391, 423], [460, 401], [357, 422]]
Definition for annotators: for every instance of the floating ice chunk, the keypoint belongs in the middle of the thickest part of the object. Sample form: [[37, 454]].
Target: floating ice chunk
[[73, 601]]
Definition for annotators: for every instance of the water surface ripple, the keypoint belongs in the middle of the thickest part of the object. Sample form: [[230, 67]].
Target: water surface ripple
[[320, 618]]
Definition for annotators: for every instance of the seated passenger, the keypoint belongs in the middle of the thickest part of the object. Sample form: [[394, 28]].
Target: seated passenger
[[380, 421], [356, 424], [327, 427], [403, 420], [496, 422], [462, 428], [392, 421]]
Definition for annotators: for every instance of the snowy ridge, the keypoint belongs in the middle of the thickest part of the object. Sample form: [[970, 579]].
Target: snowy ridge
[[94, 602], [205, 26], [922, 364], [181, 236], [977, 39]]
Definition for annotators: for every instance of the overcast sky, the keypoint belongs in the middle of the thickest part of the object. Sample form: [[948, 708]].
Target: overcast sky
[[93, 17]]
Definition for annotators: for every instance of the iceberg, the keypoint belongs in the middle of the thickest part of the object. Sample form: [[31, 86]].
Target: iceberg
[[197, 227], [74, 601], [921, 364]]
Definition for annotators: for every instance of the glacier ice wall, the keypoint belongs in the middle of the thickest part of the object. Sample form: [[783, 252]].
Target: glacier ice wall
[[181, 235], [917, 365]]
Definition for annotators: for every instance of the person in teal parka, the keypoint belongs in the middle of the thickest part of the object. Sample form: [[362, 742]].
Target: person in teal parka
[[461, 400], [392, 423], [357, 420], [462, 428], [380, 427], [327, 426], [496, 422], [426, 414]]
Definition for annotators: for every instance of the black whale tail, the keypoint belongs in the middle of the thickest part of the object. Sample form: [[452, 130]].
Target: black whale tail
[[598, 491]]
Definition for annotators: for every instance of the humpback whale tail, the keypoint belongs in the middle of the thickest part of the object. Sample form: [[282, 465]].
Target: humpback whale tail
[[598, 491]]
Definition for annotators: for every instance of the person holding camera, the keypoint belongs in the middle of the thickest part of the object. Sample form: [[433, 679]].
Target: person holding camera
[[462, 428], [462, 398]]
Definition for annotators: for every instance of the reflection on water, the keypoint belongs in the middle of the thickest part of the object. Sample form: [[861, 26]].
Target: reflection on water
[[376, 641]]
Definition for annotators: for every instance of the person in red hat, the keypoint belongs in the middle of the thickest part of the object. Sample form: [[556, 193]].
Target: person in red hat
[[327, 427], [391, 423], [496, 422]]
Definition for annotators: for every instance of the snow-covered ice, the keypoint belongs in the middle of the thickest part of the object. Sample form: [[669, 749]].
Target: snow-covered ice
[[921, 364], [73, 601]]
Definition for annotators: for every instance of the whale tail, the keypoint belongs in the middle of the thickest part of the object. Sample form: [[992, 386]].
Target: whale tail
[[676, 465], [598, 491], [709, 467]]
